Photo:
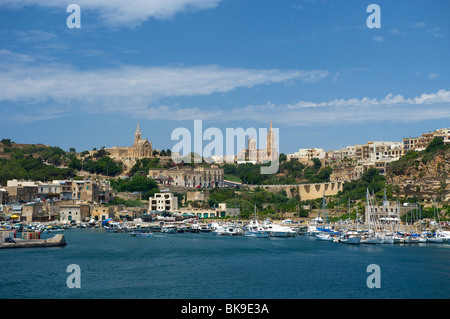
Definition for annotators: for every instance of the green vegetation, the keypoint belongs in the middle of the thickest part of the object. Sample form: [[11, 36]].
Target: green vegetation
[[412, 158], [99, 164], [28, 162], [357, 189], [292, 172], [126, 202], [267, 204], [146, 186], [143, 165]]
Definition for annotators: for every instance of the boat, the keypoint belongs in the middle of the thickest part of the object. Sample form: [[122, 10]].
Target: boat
[[276, 230], [113, 227], [254, 229], [350, 237], [169, 229], [324, 233], [141, 233], [227, 230], [325, 236], [435, 239], [195, 228]]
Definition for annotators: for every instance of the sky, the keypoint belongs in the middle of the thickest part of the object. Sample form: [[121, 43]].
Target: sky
[[312, 67]]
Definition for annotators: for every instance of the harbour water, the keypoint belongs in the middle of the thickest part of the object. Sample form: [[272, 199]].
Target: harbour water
[[206, 266]]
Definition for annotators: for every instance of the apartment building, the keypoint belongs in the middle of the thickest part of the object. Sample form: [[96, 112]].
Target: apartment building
[[163, 202], [421, 142]]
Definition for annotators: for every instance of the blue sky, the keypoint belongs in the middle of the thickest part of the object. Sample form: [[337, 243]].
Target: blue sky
[[314, 68]]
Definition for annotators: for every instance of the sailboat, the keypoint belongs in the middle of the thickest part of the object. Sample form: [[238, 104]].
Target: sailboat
[[369, 237], [325, 233], [351, 237], [438, 236]]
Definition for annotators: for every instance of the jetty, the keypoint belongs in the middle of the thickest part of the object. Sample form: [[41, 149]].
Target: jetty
[[55, 241]]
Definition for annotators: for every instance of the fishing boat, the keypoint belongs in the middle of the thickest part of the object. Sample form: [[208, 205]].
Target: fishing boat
[[114, 227]]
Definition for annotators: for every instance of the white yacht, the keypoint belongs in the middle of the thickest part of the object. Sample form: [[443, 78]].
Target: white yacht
[[276, 230], [350, 237], [254, 229], [325, 236]]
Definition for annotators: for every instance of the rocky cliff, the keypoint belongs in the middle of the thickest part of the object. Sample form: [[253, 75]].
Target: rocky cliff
[[424, 174]]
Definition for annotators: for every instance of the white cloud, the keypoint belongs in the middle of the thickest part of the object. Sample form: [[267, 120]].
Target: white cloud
[[419, 25], [127, 89], [397, 32], [433, 75], [378, 39], [119, 12], [391, 109]]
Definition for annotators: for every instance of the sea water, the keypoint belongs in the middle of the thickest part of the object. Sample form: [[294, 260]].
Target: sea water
[[207, 266]]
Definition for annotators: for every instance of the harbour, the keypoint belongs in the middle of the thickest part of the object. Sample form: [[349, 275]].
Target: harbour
[[203, 265]]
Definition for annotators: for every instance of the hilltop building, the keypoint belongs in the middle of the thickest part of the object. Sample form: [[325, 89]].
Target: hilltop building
[[189, 176], [141, 148], [253, 155]]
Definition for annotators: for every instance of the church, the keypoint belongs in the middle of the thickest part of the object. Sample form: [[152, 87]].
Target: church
[[140, 148], [253, 155]]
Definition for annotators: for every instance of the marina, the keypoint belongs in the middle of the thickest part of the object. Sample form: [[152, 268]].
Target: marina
[[204, 265]]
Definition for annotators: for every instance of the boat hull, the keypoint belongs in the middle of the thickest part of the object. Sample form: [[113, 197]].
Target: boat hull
[[351, 241]]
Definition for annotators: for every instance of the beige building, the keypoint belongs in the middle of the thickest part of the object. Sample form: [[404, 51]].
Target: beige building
[[140, 148], [100, 213], [306, 154], [189, 176], [221, 211], [163, 202], [199, 196], [420, 143], [21, 191], [74, 212]]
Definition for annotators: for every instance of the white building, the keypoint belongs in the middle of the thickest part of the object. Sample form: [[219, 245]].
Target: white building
[[75, 212], [304, 155], [162, 202]]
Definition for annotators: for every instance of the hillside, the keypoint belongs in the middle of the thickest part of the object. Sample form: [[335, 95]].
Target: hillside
[[32, 162], [422, 174]]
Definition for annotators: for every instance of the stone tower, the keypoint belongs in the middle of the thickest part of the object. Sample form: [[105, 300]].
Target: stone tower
[[271, 143], [137, 135]]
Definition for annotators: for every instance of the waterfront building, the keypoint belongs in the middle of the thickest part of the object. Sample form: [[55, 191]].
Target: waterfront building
[[163, 202], [74, 212], [100, 213], [221, 211]]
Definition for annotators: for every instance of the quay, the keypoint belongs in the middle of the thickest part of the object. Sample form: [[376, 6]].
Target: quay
[[55, 241]]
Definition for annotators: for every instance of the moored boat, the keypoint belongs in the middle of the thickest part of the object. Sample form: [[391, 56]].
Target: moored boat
[[350, 237]]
